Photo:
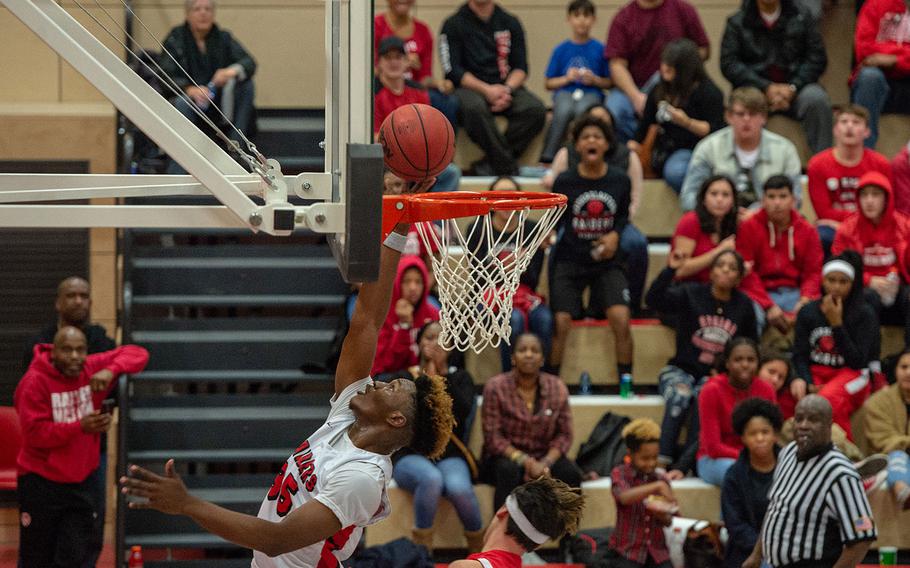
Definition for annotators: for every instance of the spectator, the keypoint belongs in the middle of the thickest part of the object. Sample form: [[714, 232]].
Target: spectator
[[408, 312], [743, 151], [58, 401], [73, 306], [888, 429], [774, 46], [540, 510], [578, 73], [836, 340], [900, 168], [718, 443], [527, 424], [636, 39], [684, 107], [216, 63], [880, 235], [397, 21], [816, 488], [881, 79], [783, 255], [701, 235], [587, 255], [644, 501], [449, 476], [530, 311], [483, 52], [392, 90], [709, 316], [777, 370], [834, 173], [744, 494], [632, 242]]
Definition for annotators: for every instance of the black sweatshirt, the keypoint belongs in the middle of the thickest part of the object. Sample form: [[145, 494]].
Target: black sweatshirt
[[596, 207], [820, 350], [705, 323], [221, 50], [705, 103], [489, 50]]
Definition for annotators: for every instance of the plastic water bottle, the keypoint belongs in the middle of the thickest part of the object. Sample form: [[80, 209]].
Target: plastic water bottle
[[205, 104], [625, 385], [135, 560], [584, 383]]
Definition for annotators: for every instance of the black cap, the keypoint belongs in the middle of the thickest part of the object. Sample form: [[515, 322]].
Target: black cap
[[391, 43]]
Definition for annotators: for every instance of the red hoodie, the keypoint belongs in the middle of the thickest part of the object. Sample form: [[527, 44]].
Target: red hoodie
[[791, 258], [396, 348], [882, 27], [51, 405], [882, 246], [716, 437]]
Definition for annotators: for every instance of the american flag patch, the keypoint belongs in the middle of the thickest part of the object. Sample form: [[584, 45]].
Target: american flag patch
[[863, 523]]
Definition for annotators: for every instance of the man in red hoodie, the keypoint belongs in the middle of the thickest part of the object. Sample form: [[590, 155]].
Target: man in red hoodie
[[880, 235], [783, 255], [59, 405], [881, 80]]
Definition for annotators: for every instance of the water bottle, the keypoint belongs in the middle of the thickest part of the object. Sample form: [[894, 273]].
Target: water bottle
[[584, 383], [205, 104], [135, 560], [625, 385]]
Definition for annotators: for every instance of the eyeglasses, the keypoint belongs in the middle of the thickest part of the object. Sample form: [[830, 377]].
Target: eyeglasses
[[745, 114]]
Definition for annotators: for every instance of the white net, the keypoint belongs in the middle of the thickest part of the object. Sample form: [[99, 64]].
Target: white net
[[478, 270]]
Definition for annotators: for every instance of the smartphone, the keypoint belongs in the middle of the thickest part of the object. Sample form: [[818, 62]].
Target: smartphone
[[107, 405]]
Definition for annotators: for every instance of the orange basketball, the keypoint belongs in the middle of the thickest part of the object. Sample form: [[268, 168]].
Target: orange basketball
[[418, 142]]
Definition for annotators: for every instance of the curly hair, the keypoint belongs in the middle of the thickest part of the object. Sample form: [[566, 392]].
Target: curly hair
[[433, 419], [550, 505], [756, 407], [640, 431]]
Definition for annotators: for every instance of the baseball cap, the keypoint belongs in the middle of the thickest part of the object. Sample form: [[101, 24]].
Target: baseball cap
[[391, 43]]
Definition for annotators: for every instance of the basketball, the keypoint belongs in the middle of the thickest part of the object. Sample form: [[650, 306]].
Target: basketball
[[417, 142]]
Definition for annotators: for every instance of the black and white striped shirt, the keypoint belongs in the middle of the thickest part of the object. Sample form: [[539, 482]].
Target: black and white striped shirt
[[816, 506]]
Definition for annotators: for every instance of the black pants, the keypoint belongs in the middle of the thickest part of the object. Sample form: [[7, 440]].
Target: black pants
[[506, 475], [56, 525], [897, 313], [526, 119]]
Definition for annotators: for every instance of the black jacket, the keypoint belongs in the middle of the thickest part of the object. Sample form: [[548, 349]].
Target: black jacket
[[221, 50], [749, 50], [816, 343], [488, 50]]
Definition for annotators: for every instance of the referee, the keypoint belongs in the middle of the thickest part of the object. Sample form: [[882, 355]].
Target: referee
[[818, 513]]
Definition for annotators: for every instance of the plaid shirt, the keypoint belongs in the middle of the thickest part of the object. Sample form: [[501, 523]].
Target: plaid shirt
[[637, 531], [507, 420]]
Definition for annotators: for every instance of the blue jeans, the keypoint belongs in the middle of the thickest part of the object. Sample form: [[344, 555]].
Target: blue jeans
[[446, 104], [898, 467], [871, 90], [448, 179], [540, 323], [826, 234], [565, 109], [675, 169], [428, 481], [712, 470], [634, 246], [680, 392], [785, 297], [625, 120]]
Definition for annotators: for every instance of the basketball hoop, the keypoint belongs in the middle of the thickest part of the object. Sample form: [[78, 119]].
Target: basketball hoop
[[477, 272]]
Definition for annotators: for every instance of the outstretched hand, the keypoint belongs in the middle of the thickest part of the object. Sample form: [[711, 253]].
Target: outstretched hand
[[165, 493]]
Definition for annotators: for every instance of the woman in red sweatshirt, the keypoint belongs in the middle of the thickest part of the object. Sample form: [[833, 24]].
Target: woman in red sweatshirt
[[58, 401], [718, 444], [409, 311], [880, 235]]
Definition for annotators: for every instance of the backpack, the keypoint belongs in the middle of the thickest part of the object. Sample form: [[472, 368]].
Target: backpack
[[605, 448], [589, 547]]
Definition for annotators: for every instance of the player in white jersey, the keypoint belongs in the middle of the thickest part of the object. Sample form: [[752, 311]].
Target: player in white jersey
[[334, 483]]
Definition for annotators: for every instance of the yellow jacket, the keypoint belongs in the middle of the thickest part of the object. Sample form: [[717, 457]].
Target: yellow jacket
[[887, 428]]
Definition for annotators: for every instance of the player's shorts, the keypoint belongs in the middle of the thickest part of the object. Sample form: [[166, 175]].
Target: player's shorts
[[608, 284]]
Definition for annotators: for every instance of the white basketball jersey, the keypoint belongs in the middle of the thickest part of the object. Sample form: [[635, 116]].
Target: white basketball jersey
[[329, 468]]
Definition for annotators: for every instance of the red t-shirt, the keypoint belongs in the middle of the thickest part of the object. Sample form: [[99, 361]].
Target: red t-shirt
[[497, 559], [689, 227], [832, 186], [385, 101], [639, 35], [420, 42], [716, 438]]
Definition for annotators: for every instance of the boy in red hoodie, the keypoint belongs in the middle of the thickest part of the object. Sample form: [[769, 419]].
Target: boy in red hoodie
[[58, 401], [783, 256], [880, 235]]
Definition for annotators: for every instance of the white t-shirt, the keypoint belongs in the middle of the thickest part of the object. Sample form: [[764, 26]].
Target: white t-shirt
[[329, 468], [747, 158]]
